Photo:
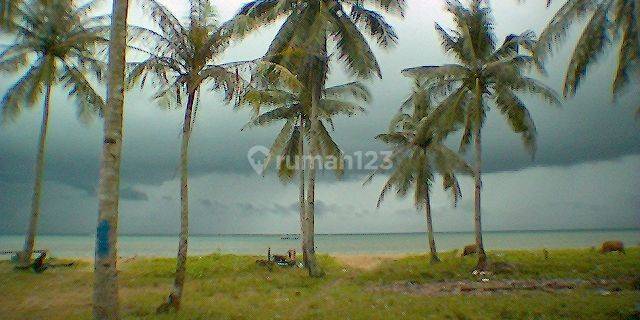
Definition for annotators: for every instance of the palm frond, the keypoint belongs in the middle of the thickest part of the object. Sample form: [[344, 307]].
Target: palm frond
[[89, 101], [12, 62], [391, 6], [437, 72], [332, 107], [375, 24], [330, 150], [589, 48], [518, 117], [450, 183], [356, 90], [279, 144], [270, 97], [25, 91], [556, 30], [353, 48], [277, 114], [628, 20], [289, 161], [167, 22]]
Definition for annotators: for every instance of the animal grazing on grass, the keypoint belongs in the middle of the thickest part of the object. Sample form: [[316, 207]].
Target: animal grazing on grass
[[469, 250], [612, 246]]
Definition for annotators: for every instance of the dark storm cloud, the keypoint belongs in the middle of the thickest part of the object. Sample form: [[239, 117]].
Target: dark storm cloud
[[587, 128]]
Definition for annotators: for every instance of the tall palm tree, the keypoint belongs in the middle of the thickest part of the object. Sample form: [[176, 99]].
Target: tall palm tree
[[485, 74], [285, 101], [105, 288], [301, 46], [608, 21], [417, 156], [63, 40], [185, 59]]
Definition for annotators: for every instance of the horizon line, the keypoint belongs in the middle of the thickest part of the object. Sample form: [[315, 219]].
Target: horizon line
[[333, 234]]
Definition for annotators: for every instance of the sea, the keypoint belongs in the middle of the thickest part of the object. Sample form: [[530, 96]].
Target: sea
[[82, 246]]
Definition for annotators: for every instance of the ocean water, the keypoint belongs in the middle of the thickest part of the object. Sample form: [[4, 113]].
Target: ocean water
[[74, 246]]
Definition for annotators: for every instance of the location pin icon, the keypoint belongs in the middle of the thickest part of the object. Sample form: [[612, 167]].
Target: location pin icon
[[256, 156]]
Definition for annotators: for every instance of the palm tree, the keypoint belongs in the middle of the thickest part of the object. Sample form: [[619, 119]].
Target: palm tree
[[285, 98], [301, 46], [184, 59], [105, 292], [417, 155], [607, 21], [485, 73], [62, 39]]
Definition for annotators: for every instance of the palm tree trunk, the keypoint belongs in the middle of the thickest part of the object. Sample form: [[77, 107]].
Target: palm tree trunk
[[432, 240], [309, 221], [30, 238], [300, 165], [482, 257], [105, 294], [175, 298]]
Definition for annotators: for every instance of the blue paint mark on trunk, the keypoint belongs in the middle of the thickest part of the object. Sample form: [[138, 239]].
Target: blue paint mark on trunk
[[102, 245]]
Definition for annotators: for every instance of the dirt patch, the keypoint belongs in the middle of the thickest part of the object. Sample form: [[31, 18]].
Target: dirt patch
[[366, 262], [448, 288]]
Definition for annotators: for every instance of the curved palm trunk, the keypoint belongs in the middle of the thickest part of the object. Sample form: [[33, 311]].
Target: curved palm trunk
[[432, 240], [30, 238], [105, 294], [175, 298], [482, 257], [309, 221], [300, 165]]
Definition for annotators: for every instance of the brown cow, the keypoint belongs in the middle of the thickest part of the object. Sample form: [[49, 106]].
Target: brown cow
[[469, 250], [612, 246]]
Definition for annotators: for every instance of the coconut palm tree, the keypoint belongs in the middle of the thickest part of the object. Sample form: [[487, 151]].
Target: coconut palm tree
[[301, 46], [607, 21], [285, 101], [416, 157], [485, 74], [56, 42], [183, 61], [105, 288]]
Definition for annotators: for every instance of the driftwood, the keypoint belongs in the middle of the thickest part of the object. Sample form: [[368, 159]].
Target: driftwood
[[39, 265]]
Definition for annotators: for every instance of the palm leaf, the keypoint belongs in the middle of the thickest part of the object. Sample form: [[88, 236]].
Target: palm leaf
[[89, 101], [375, 24]]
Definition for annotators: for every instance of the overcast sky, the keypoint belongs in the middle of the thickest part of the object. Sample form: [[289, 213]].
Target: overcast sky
[[585, 175]]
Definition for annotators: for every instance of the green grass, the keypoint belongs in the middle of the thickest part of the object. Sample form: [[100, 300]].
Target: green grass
[[233, 287], [561, 264]]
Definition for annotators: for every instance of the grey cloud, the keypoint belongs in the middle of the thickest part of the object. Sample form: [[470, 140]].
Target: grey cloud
[[588, 128], [130, 193], [206, 203]]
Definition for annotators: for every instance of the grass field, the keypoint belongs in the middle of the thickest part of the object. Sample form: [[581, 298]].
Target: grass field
[[234, 287]]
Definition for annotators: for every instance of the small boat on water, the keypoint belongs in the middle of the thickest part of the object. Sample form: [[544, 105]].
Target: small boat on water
[[290, 237]]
